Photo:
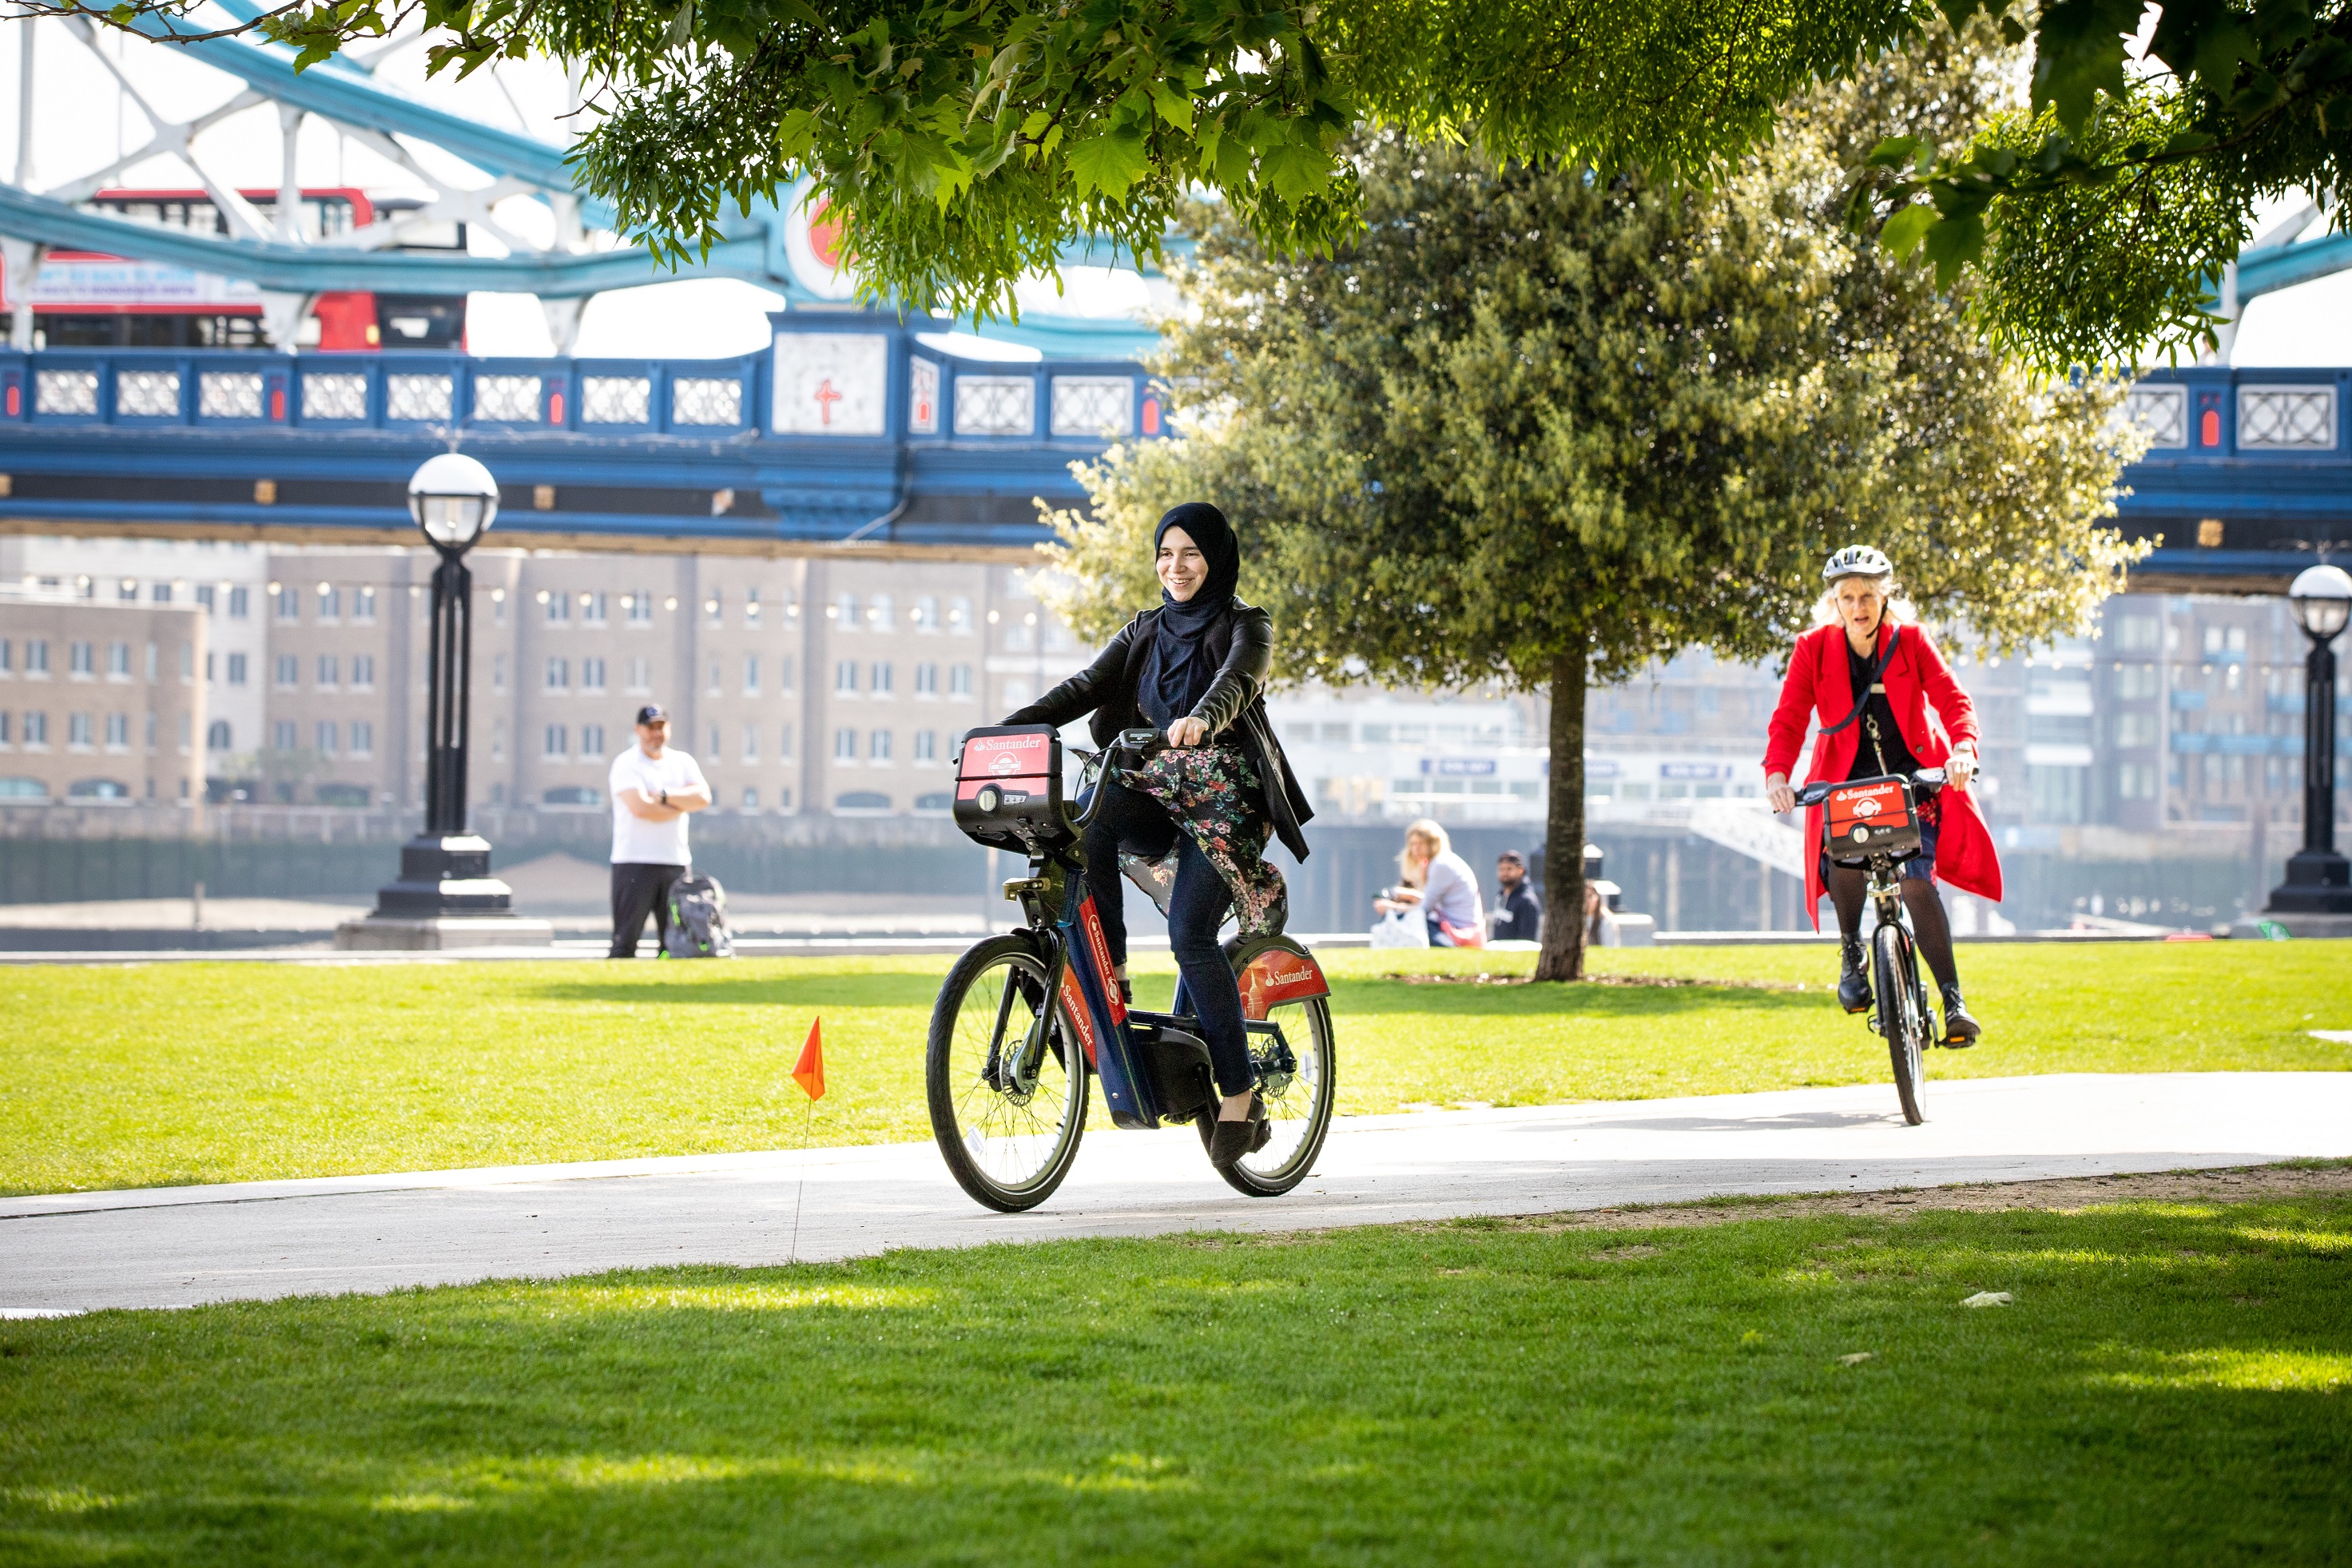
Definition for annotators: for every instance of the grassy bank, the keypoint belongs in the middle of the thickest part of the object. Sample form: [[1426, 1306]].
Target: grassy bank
[[2172, 1381], [127, 1076]]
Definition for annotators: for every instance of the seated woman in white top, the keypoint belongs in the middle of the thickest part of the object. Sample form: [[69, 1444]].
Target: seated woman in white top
[[1441, 885]]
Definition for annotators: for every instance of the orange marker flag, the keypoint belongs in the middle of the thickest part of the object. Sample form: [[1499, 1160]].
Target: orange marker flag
[[810, 1071]]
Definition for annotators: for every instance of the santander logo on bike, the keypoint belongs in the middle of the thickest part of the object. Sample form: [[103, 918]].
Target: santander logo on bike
[[1865, 807]]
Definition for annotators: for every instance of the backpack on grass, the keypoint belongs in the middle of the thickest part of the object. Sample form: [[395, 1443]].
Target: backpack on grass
[[698, 919]]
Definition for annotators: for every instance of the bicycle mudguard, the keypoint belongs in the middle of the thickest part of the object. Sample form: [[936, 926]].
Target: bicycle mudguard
[[1280, 972], [1126, 1082]]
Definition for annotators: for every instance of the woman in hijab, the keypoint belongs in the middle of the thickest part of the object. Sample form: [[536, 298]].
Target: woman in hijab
[[1194, 669]]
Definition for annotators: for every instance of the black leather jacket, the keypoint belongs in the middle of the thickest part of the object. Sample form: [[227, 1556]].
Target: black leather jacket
[[1242, 640]]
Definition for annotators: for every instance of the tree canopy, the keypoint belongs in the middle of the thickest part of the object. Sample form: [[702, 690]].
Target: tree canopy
[[966, 142], [1540, 426]]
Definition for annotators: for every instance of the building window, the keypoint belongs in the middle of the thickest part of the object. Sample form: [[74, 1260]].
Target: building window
[[82, 658], [784, 745], [77, 731], [926, 680], [325, 733], [559, 607], [127, 591], [498, 672], [290, 604], [591, 740], [557, 742], [926, 613], [712, 751], [845, 612], [878, 746], [240, 604], [640, 608], [118, 731], [5, 718], [844, 677], [498, 741], [784, 675], [845, 746], [37, 729], [715, 607], [362, 608], [883, 613], [884, 677], [751, 743], [362, 738], [161, 593], [37, 656], [960, 681], [290, 671], [150, 733], [750, 799], [641, 676], [218, 736], [593, 609], [592, 674], [328, 671], [330, 602], [118, 661], [282, 735], [363, 672], [718, 677], [558, 675], [7, 657], [751, 675], [927, 746], [959, 614]]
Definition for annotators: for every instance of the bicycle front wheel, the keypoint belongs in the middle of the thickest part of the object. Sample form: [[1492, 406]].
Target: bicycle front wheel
[[1005, 1077], [1901, 1019]]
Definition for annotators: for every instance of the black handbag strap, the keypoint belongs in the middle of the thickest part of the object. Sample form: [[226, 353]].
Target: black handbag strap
[[1877, 668]]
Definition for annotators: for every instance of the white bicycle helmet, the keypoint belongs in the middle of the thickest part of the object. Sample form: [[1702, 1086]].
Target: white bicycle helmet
[[1857, 561]]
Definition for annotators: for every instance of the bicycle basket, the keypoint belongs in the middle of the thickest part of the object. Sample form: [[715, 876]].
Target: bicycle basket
[[1870, 817], [1009, 787]]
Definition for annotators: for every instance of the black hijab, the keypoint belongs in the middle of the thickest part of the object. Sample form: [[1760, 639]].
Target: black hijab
[[1179, 670]]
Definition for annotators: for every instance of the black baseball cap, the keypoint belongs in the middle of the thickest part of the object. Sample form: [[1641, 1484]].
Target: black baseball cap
[[652, 713]]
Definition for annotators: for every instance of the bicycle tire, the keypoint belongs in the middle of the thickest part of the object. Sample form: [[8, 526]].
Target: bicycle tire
[[1297, 1142], [989, 1138], [1898, 1017]]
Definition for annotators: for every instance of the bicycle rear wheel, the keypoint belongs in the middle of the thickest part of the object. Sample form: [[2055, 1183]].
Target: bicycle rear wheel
[[1008, 1101], [1900, 1018], [1298, 1073]]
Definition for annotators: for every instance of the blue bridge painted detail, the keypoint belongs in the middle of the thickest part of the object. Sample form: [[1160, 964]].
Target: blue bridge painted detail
[[913, 446], [2248, 473]]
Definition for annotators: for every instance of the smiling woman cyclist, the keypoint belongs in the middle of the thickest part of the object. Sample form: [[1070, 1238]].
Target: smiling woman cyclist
[[1888, 704], [1193, 669]]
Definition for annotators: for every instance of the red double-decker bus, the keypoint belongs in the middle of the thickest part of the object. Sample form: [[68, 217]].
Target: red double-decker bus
[[82, 299]]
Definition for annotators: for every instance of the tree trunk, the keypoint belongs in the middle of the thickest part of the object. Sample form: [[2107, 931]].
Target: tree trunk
[[1563, 928]]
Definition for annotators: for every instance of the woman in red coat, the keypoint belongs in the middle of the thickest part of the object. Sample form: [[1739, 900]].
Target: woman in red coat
[[1915, 716]]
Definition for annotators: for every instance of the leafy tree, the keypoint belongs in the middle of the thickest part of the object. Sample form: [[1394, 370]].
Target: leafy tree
[[1541, 427], [967, 142]]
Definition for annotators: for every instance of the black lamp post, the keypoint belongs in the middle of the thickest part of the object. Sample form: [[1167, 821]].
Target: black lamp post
[[444, 895], [2318, 878]]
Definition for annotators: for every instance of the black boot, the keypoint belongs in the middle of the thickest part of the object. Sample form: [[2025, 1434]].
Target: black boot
[[1960, 1030], [1854, 975]]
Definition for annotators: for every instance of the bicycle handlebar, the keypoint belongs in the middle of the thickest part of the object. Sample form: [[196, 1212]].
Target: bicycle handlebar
[[1929, 780]]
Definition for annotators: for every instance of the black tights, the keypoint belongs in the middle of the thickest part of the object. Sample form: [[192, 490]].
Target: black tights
[[1850, 886]]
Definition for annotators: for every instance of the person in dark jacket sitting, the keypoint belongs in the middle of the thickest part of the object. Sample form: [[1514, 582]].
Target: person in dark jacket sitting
[[1193, 669], [1517, 917]]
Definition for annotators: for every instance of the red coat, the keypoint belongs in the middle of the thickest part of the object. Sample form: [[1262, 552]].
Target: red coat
[[1917, 677]]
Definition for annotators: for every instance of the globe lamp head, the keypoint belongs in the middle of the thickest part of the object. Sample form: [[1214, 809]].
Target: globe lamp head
[[454, 500], [2321, 599]]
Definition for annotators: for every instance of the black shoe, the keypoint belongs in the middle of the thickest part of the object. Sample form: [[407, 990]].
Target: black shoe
[[1126, 995], [1854, 975], [1960, 1030], [1234, 1140]]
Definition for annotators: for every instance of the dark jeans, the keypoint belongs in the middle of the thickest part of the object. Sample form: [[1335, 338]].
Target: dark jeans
[[640, 888], [1140, 825]]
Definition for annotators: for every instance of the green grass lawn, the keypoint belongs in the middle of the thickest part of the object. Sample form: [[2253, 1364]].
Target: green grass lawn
[[2172, 1384], [130, 1076]]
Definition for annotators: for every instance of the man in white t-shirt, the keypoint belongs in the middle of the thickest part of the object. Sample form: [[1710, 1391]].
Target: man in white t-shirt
[[654, 790]]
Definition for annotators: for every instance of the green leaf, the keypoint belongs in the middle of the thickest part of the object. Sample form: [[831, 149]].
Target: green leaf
[[1111, 162], [1907, 228], [1953, 242], [1174, 107], [2079, 54]]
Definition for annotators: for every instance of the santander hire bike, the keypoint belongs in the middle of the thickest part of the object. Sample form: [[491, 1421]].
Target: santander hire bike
[[1875, 822], [1028, 1019]]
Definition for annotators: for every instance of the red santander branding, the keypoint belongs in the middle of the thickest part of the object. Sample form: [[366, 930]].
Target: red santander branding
[[1098, 950], [1276, 977], [1003, 756], [1073, 1002]]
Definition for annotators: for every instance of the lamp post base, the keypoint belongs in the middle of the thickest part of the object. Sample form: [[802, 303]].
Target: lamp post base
[[2315, 899], [435, 933], [444, 897]]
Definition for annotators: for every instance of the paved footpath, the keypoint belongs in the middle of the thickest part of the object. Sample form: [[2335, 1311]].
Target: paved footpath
[[177, 1245]]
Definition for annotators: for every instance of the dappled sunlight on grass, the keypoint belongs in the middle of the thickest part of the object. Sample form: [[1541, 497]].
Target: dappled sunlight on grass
[[2275, 1371], [2330, 1243], [748, 1297]]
